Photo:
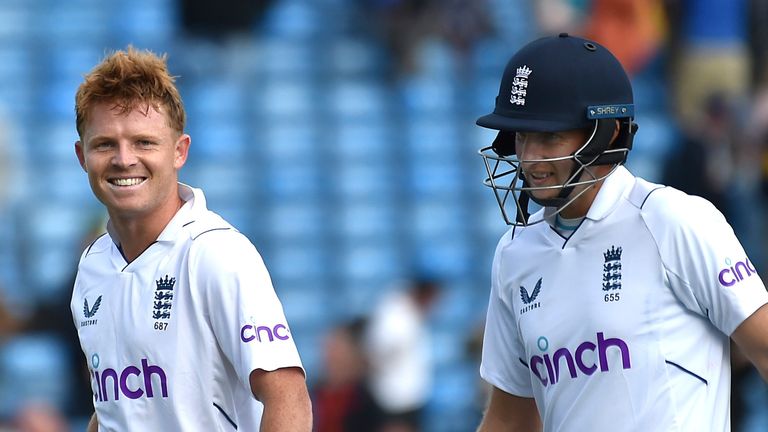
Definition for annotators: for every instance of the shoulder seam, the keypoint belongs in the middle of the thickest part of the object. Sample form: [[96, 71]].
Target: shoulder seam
[[649, 194], [88, 250], [212, 229]]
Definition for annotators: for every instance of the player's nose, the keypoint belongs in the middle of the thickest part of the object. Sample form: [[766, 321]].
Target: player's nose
[[125, 155], [530, 149]]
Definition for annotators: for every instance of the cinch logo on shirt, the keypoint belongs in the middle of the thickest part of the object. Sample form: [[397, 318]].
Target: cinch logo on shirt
[[249, 333], [575, 361], [118, 383], [734, 274]]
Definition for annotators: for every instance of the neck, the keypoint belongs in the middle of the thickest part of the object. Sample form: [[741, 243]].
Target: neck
[[136, 234]]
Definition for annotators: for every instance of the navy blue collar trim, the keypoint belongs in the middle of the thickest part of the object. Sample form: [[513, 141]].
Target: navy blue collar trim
[[93, 243]]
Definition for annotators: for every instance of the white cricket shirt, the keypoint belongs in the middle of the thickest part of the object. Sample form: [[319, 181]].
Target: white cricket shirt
[[172, 337], [624, 326]]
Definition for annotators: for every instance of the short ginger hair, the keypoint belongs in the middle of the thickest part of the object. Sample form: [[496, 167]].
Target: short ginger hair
[[131, 79]]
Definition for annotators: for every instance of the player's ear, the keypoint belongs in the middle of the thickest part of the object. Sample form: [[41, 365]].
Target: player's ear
[[79, 151], [181, 149]]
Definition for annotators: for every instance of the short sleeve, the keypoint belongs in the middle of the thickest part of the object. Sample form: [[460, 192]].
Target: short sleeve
[[241, 305], [706, 265], [504, 363]]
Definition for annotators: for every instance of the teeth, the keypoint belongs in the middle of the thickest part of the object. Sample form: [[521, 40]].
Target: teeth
[[127, 181]]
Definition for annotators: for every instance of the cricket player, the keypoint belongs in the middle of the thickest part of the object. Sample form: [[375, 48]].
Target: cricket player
[[174, 308], [612, 307]]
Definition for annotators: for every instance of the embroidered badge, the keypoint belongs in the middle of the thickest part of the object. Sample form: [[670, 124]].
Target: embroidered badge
[[528, 299], [90, 312], [612, 269], [520, 86], [161, 310]]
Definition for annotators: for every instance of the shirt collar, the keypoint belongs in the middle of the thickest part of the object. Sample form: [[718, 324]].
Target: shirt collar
[[615, 186], [194, 203]]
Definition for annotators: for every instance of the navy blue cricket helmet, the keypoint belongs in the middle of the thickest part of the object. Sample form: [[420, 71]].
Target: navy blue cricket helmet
[[556, 84]]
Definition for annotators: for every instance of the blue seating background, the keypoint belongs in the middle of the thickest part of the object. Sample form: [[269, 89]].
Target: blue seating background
[[345, 180]]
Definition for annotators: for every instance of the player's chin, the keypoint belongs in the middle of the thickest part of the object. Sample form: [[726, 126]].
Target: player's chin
[[544, 194], [125, 206]]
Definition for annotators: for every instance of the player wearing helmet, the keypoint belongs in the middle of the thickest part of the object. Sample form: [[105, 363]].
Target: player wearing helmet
[[611, 307], [579, 87]]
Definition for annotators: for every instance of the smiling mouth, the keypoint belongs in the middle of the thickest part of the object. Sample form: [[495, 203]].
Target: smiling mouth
[[123, 182], [538, 176]]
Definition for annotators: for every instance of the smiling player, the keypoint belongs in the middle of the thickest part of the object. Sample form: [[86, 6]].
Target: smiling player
[[611, 307], [174, 308]]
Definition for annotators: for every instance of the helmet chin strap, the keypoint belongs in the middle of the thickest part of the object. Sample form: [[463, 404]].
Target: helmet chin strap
[[562, 198], [565, 197], [522, 209]]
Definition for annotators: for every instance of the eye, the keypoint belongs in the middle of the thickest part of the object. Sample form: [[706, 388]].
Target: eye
[[102, 145], [145, 143], [553, 136]]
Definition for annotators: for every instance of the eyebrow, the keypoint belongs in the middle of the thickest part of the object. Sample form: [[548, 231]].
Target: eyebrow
[[142, 136], [97, 138]]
